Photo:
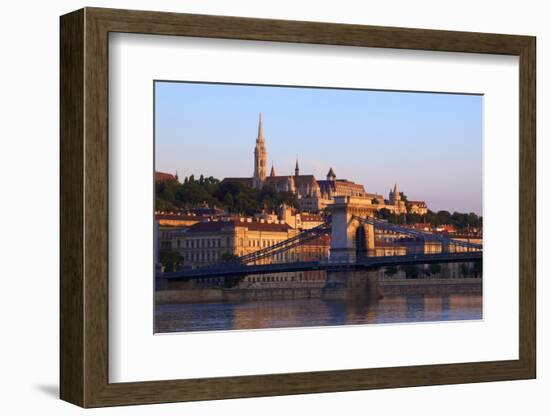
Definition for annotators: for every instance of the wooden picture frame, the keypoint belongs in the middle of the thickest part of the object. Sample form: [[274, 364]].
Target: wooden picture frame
[[84, 207]]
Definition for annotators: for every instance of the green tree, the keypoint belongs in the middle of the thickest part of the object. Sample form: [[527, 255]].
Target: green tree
[[413, 218], [411, 271], [477, 269], [193, 193], [384, 214], [164, 205], [171, 260], [460, 221], [443, 217], [464, 270], [473, 220], [406, 200], [228, 202], [391, 271]]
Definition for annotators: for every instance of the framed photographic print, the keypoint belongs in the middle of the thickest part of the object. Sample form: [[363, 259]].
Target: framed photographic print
[[255, 207]]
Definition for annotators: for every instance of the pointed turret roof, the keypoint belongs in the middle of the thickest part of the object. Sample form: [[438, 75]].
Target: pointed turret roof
[[260, 130], [331, 174], [297, 168], [272, 171]]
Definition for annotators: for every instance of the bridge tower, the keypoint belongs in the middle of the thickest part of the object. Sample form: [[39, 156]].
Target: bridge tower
[[351, 238]]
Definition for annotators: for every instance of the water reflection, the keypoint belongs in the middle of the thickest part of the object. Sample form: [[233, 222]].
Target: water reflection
[[315, 312]]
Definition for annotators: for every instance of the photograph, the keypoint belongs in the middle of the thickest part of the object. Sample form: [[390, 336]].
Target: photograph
[[280, 207], [295, 206]]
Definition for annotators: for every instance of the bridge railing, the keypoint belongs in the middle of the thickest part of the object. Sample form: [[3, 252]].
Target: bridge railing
[[326, 264]]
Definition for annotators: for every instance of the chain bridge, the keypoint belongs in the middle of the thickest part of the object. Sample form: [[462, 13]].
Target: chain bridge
[[352, 229]]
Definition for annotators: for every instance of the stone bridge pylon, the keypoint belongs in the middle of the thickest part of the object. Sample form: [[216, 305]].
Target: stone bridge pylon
[[350, 238]]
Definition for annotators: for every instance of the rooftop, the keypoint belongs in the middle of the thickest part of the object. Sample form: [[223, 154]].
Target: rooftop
[[176, 216], [252, 225], [163, 176]]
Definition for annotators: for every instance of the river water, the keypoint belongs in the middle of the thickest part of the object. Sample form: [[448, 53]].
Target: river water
[[315, 312]]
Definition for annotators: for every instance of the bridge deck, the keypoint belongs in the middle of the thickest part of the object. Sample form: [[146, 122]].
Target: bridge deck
[[365, 263]]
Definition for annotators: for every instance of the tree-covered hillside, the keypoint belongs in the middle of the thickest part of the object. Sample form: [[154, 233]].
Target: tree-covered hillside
[[234, 197], [461, 221]]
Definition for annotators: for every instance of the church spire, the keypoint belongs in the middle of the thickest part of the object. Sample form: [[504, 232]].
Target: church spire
[[272, 170], [297, 168], [260, 138], [260, 157], [395, 193]]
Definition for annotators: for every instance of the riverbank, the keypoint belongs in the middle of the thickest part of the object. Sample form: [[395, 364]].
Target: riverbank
[[467, 286], [386, 287]]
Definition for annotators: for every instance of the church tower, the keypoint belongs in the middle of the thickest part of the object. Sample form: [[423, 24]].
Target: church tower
[[260, 157], [395, 195]]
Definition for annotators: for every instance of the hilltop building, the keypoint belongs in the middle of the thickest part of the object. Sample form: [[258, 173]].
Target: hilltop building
[[165, 177], [315, 195]]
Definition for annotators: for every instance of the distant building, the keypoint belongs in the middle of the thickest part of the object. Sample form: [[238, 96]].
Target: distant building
[[300, 220], [207, 210], [207, 242], [171, 219], [165, 177], [418, 207], [332, 187], [446, 228], [424, 226]]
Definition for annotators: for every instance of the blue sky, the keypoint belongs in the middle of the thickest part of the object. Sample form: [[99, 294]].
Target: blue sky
[[430, 144]]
